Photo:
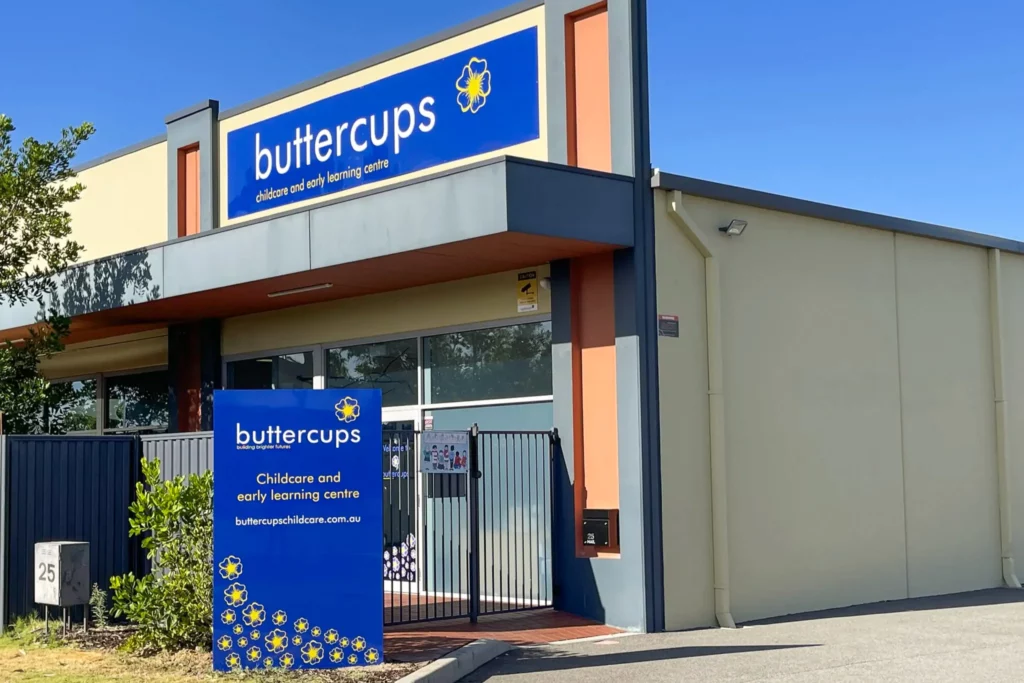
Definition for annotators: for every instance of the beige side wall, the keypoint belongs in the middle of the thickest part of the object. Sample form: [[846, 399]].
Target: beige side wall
[[859, 413], [1013, 354], [463, 302], [128, 352], [948, 417], [124, 205], [536, 149], [685, 438]]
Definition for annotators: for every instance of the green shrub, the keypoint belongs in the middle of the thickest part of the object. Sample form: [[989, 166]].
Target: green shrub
[[172, 605], [98, 605]]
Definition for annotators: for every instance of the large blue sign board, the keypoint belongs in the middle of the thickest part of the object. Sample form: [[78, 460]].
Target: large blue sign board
[[477, 101], [297, 529]]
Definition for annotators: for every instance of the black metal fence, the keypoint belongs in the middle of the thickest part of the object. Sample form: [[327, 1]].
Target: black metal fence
[[65, 489], [453, 546], [465, 546]]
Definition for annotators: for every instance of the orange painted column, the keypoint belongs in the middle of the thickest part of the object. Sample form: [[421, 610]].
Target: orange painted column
[[592, 279]]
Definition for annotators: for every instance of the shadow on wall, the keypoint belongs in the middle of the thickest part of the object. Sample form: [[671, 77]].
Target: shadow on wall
[[575, 587], [121, 280]]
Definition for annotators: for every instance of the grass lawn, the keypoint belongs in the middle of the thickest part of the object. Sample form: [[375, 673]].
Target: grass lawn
[[26, 655]]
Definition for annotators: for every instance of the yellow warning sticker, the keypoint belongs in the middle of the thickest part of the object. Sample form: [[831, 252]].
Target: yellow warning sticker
[[526, 296]]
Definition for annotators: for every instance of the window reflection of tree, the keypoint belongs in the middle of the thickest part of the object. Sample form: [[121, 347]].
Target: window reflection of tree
[[70, 407], [390, 367], [137, 401], [486, 364]]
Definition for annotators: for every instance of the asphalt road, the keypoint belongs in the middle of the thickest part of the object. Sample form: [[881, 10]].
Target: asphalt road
[[968, 637]]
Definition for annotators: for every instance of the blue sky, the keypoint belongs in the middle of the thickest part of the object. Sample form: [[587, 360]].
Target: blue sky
[[907, 107]]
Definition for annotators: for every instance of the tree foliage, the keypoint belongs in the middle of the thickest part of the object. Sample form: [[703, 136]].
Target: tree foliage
[[173, 604], [36, 185]]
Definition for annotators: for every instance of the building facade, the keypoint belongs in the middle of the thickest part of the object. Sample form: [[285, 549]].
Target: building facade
[[808, 412]]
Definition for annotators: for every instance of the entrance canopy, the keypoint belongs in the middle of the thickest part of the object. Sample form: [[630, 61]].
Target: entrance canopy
[[499, 215]]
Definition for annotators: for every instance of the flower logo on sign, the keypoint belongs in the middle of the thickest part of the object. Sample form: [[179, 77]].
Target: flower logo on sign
[[224, 643], [372, 656], [347, 409], [331, 637], [287, 660], [277, 640], [254, 614], [253, 654], [280, 618], [312, 652], [359, 644], [230, 568], [474, 86], [337, 655], [301, 625], [233, 660], [235, 595], [228, 617]]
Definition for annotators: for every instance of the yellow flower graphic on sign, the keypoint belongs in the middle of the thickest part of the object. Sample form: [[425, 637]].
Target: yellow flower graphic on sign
[[253, 654], [254, 635], [224, 643], [343, 642], [297, 640], [243, 641], [331, 637], [235, 595], [352, 659], [301, 625], [228, 616], [474, 85], [254, 614], [279, 618], [337, 655], [238, 629], [233, 660], [372, 656], [312, 652], [230, 568], [268, 662], [347, 409], [315, 632], [359, 644], [287, 660], [276, 640]]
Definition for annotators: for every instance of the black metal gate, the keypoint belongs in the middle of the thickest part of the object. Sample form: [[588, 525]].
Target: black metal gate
[[463, 546]]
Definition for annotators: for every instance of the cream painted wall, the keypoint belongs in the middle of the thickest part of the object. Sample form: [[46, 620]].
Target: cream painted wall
[[462, 302], [536, 149], [949, 451], [860, 425], [685, 438], [124, 204], [1013, 354], [128, 352]]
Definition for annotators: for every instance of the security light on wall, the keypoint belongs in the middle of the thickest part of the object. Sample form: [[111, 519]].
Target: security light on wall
[[734, 229]]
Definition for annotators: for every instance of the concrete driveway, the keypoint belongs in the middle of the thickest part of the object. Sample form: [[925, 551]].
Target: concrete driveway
[[968, 637]]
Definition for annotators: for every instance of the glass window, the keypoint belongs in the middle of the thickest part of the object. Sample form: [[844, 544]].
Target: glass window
[[137, 400], [537, 417], [71, 407], [287, 371], [503, 362], [390, 366]]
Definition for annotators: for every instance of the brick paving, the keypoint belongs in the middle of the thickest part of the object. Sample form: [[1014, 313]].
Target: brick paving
[[426, 642]]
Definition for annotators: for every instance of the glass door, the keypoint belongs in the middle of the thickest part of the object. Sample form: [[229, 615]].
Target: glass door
[[401, 499]]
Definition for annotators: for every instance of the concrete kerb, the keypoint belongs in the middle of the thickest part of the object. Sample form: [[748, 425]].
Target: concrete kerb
[[459, 663]]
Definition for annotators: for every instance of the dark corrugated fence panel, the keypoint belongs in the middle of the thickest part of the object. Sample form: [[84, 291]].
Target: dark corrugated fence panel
[[68, 489], [183, 454]]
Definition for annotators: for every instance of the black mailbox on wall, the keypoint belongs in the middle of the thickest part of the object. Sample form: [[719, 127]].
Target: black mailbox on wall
[[601, 528]]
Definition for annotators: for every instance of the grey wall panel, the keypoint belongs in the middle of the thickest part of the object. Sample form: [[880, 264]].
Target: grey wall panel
[[68, 489], [439, 211], [180, 454], [230, 257], [563, 202]]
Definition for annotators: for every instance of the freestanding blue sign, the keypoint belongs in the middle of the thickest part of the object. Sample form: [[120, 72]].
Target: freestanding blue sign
[[477, 101], [297, 529]]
